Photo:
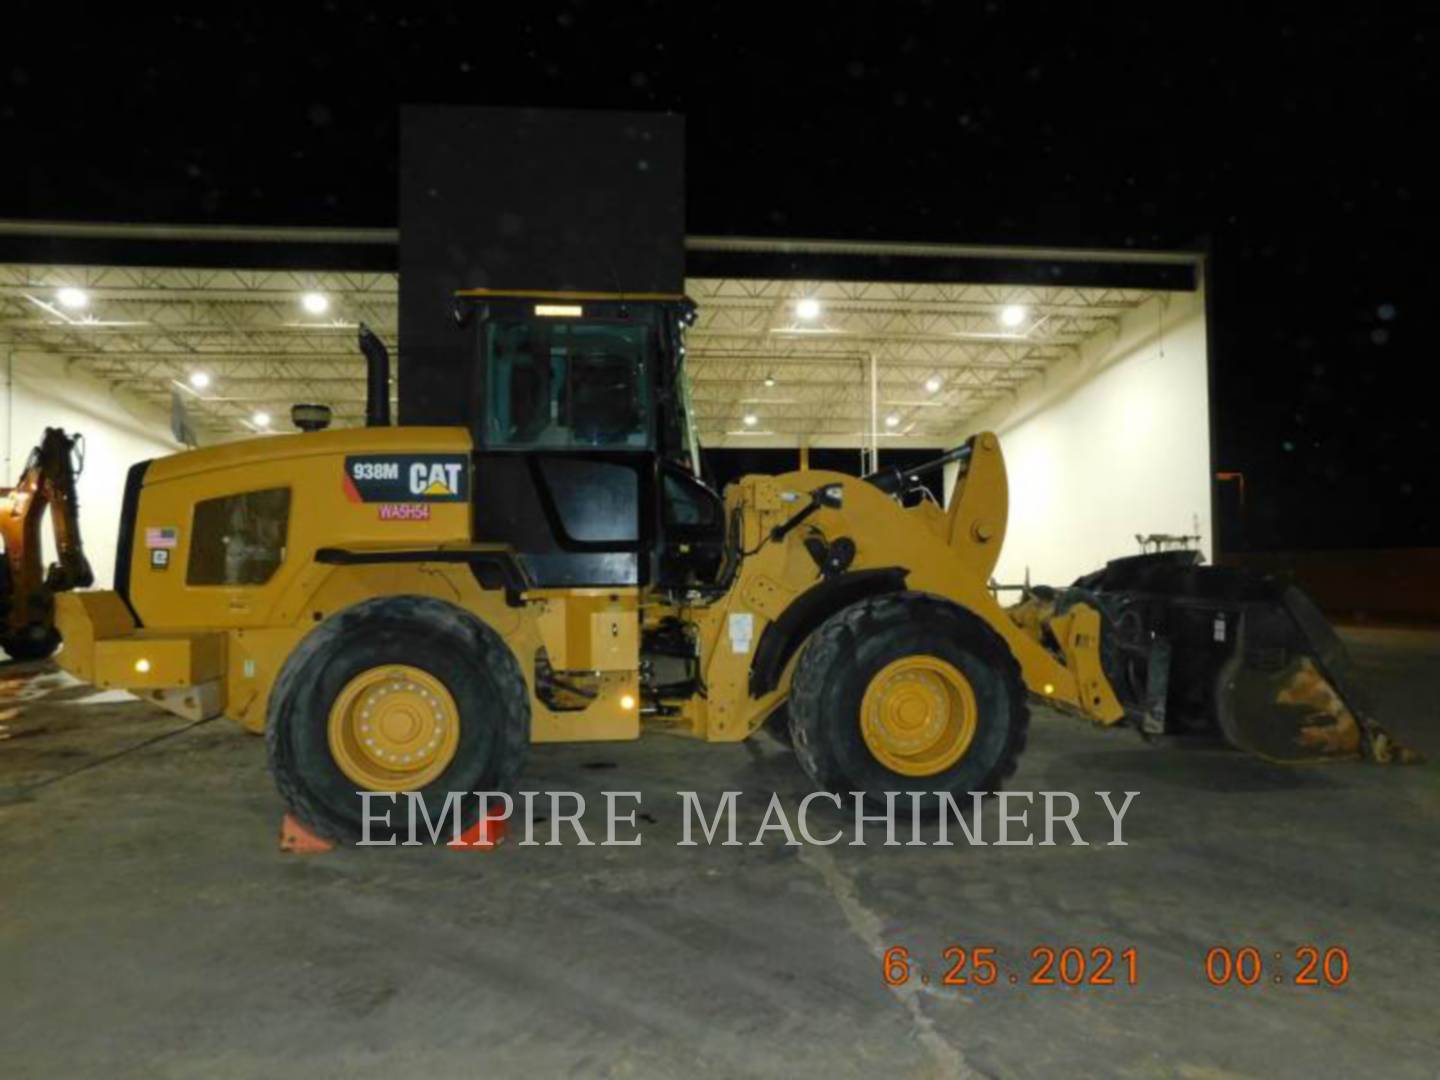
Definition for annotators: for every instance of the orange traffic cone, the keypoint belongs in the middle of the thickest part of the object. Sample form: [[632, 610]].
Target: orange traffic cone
[[299, 840], [485, 835]]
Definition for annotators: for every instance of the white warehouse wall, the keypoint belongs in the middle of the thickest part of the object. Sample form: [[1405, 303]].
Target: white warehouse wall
[[43, 391], [1108, 444]]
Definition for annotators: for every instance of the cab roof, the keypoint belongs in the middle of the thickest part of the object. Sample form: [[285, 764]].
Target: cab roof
[[596, 297]]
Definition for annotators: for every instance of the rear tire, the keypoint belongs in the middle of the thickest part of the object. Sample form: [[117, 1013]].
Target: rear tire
[[941, 640], [452, 655]]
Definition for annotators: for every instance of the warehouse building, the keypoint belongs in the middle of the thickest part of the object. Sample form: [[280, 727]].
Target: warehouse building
[[151, 925]]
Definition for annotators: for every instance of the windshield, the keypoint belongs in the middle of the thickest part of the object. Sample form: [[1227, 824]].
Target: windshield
[[567, 383]]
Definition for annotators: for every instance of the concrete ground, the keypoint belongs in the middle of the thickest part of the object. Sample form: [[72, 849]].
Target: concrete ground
[[149, 927]]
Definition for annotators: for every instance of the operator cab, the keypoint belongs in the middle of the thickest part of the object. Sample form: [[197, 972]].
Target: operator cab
[[580, 411]]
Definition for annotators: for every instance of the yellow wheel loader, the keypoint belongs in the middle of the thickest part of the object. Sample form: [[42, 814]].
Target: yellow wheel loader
[[403, 608]]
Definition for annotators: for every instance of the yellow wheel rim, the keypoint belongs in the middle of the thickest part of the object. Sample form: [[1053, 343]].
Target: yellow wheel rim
[[394, 728], [918, 715]]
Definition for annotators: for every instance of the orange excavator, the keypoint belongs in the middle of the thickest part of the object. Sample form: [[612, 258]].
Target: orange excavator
[[27, 587]]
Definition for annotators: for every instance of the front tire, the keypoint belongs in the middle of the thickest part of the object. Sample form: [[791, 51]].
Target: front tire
[[907, 692], [398, 693], [778, 726]]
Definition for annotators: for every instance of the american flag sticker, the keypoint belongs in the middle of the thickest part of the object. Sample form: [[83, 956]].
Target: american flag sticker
[[163, 537]]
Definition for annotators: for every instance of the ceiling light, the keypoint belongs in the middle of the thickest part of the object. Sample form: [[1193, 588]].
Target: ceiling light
[[261, 419], [932, 383], [808, 308], [72, 297], [750, 419], [769, 380], [1012, 315], [893, 420], [199, 380], [315, 303]]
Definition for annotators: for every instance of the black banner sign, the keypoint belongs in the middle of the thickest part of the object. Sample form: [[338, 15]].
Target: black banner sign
[[407, 478]]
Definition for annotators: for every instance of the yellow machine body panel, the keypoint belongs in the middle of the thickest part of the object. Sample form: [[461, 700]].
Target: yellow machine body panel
[[589, 629], [146, 659], [188, 494], [949, 554], [84, 619]]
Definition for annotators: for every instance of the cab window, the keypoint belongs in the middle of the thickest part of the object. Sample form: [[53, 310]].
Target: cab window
[[238, 539], [567, 383], [688, 503]]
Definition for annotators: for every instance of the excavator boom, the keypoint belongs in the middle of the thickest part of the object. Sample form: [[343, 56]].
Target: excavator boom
[[27, 587]]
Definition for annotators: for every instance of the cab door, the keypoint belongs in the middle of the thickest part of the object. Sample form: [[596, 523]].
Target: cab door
[[565, 465]]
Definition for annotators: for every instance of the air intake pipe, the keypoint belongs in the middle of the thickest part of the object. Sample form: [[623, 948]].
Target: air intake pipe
[[377, 378]]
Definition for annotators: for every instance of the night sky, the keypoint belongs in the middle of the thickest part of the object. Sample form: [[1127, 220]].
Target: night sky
[[1296, 146]]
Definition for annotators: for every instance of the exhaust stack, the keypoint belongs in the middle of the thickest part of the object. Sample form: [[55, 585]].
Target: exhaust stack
[[377, 378]]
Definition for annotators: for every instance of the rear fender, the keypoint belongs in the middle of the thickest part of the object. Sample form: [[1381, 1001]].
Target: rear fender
[[321, 591]]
